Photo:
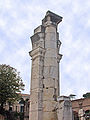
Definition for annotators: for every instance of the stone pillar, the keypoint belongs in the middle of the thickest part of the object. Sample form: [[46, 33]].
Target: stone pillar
[[64, 108], [51, 66], [36, 91], [45, 69]]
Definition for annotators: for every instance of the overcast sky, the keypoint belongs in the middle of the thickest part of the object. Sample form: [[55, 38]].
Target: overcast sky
[[18, 19]]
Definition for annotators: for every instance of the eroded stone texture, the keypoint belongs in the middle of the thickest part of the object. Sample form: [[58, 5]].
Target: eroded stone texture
[[45, 69], [64, 108]]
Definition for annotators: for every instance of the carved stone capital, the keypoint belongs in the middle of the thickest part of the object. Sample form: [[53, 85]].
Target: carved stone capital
[[37, 52], [50, 16]]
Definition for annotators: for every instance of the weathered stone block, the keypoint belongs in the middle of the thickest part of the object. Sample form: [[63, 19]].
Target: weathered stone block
[[34, 106], [35, 84], [49, 116], [36, 73], [50, 44], [49, 105], [50, 72], [48, 93], [39, 29], [50, 61], [34, 115], [34, 97], [51, 52], [50, 83], [50, 36], [51, 29]]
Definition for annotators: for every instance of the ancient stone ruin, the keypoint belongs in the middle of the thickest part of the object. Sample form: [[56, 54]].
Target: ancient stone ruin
[[45, 103]]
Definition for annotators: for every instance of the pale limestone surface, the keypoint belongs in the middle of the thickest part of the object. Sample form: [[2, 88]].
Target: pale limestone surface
[[45, 70], [64, 108]]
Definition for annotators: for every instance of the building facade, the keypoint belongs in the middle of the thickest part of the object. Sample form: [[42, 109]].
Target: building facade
[[18, 106], [20, 109], [81, 109]]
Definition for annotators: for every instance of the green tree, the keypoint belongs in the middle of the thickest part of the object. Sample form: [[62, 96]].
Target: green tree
[[87, 95], [10, 84]]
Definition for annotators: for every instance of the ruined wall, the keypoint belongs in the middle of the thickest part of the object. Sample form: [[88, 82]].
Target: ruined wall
[[64, 108]]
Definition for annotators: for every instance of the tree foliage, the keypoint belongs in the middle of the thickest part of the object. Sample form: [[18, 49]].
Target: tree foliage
[[10, 84], [87, 95]]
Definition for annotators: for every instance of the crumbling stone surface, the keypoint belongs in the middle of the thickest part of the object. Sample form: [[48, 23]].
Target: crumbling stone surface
[[45, 72], [64, 108]]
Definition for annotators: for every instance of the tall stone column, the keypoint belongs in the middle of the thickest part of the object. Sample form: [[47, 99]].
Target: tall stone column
[[36, 92], [51, 66], [45, 69]]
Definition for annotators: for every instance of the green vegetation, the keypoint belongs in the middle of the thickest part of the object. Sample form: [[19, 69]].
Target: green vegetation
[[10, 84], [87, 95]]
